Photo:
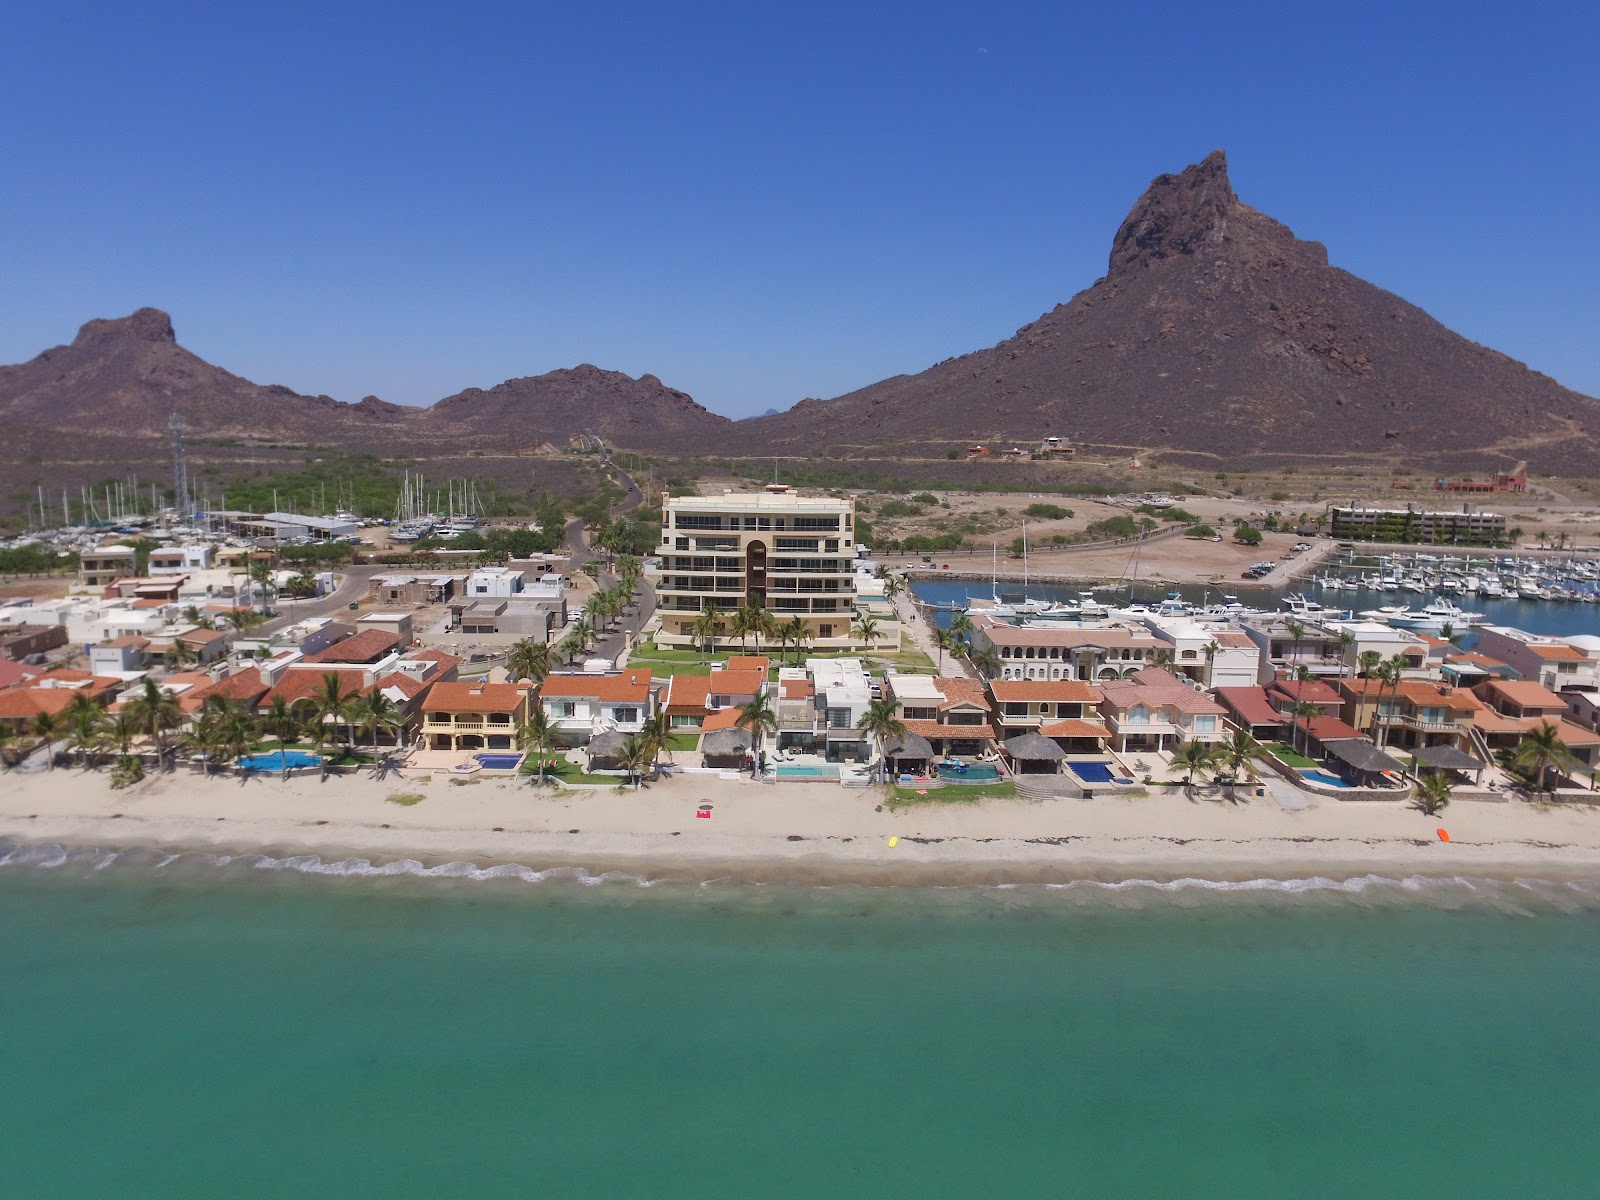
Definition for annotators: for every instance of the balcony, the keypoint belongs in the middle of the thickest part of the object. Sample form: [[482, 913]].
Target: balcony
[[1423, 724]]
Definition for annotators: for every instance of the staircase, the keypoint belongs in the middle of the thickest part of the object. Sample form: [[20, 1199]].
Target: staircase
[[1047, 787]]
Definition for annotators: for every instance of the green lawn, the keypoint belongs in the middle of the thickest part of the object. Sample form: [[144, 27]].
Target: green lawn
[[683, 741], [1289, 755], [905, 797], [566, 772]]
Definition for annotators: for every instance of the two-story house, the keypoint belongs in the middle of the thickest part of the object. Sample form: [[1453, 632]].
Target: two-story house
[[581, 704], [1557, 663], [1155, 710], [1414, 714], [1513, 708], [1092, 653], [474, 716], [953, 715], [1067, 711]]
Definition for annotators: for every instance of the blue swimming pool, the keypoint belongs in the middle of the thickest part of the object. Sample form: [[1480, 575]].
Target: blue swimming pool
[[1092, 772], [499, 762], [275, 760], [1325, 778], [793, 771], [969, 773]]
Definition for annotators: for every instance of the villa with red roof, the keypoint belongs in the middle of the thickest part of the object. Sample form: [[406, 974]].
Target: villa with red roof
[[1155, 710], [582, 705]]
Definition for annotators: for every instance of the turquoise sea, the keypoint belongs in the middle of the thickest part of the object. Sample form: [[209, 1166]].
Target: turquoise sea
[[186, 1028]]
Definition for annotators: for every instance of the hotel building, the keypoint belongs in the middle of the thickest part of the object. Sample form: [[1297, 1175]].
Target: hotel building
[[790, 554]]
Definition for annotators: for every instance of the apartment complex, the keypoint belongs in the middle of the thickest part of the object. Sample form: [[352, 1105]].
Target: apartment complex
[[789, 554], [1418, 526]]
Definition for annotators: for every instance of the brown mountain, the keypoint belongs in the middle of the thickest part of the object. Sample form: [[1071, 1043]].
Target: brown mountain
[[128, 376], [1217, 333], [557, 405], [124, 378]]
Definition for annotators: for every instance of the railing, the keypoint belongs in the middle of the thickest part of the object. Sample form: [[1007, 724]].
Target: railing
[[1411, 722]]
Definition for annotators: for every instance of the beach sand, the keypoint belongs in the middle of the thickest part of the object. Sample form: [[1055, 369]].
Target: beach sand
[[800, 832]]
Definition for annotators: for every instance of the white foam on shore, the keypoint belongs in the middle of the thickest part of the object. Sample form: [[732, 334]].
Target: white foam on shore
[[53, 856]]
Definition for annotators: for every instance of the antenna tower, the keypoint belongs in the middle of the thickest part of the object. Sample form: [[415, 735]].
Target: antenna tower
[[180, 468]]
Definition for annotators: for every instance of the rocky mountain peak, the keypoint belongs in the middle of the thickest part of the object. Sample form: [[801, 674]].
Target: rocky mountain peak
[[145, 325]]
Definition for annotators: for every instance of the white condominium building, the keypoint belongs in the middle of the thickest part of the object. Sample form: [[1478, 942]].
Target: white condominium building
[[789, 554]]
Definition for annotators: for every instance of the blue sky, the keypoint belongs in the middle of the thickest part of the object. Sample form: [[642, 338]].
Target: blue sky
[[757, 202]]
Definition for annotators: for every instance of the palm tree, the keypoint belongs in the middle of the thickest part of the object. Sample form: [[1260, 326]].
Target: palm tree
[[179, 655], [536, 734], [759, 718], [961, 628], [233, 733], [579, 634], [1346, 640], [1297, 631], [705, 629], [1368, 661], [986, 661], [332, 704], [1162, 658], [943, 640], [86, 723], [155, 710], [880, 722], [1390, 673], [1303, 711], [8, 734], [375, 713], [528, 660], [260, 572], [1433, 793], [893, 585], [865, 627], [1192, 756], [799, 633], [635, 758], [792, 630], [1210, 650], [656, 733], [1541, 752], [1238, 755], [122, 730], [47, 727], [283, 723]]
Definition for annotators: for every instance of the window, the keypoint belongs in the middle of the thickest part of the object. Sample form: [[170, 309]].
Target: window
[[1016, 710], [679, 720], [695, 521], [681, 544], [838, 718], [626, 714], [564, 708]]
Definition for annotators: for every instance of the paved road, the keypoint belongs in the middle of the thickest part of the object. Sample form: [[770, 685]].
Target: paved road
[[352, 582]]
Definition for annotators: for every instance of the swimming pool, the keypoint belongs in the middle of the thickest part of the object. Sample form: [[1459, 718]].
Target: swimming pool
[[499, 762], [974, 773], [1098, 771], [807, 771], [1325, 778], [275, 760]]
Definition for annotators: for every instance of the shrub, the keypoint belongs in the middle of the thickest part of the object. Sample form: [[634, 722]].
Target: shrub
[[1246, 534], [925, 498], [1200, 531], [127, 771], [1047, 512], [404, 799]]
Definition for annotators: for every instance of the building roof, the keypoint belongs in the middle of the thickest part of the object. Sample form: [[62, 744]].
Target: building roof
[[1329, 729], [1312, 691], [1099, 637], [623, 686], [1250, 705], [13, 673], [131, 641], [720, 742], [1157, 687], [736, 683], [1553, 652], [1018, 691], [908, 745], [1362, 755], [1033, 746], [1075, 727], [1475, 659], [25, 703], [246, 685], [749, 662], [1446, 757], [722, 718], [1524, 693], [473, 697], [796, 689], [958, 691], [692, 692], [365, 647], [938, 729]]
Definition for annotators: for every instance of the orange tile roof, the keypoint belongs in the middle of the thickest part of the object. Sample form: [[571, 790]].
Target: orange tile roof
[[749, 662], [298, 684], [962, 691], [26, 703], [246, 685], [736, 683], [1525, 693], [629, 685], [1553, 653], [409, 684], [1074, 728], [1017, 691], [938, 729], [797, 689], [723, 718], [474, 697], [1250, 705], [367, 646], [687, 693]]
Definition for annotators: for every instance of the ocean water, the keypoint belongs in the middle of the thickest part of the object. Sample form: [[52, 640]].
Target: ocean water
[[194, 1028]]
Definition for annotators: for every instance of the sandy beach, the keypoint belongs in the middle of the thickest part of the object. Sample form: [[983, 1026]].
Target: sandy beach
[[798, 832]]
